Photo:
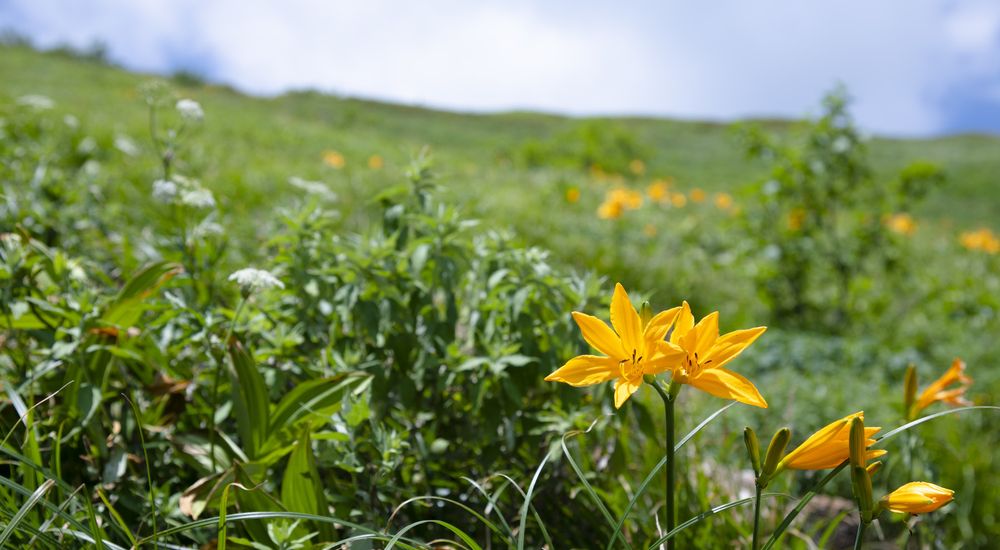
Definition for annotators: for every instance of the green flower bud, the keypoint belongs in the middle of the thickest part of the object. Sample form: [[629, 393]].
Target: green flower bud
[[753, 449]]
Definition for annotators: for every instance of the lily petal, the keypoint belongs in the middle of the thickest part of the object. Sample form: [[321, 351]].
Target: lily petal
[[727, 384], [585, 370], [730, 345], [626, 321], [708, 332], [683, 324], [658, 326], [666, 357], [624, 389], [599, 335]]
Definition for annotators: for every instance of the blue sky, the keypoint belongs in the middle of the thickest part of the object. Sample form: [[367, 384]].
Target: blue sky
[[914, 68]]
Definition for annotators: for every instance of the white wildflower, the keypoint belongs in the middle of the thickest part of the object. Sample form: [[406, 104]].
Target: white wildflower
[[86, 146], [190, 110], [10, 241], [206, 229], [251, 279], [198, 197], [313, 187], [164, 190], [76, 271], [841, 145], [36, 101], [126, 145]]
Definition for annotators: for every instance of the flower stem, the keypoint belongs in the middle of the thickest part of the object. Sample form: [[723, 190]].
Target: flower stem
[[756, 516], [668, 408], [861, 533], [218, 376]]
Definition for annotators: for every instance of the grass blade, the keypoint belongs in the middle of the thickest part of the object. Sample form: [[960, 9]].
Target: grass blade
[[709, 513], [801, 504], [586, 484], [492, 526], [919, 421], [458, 532], [656, 469], [25, 508], [527, 502], [145, 459]]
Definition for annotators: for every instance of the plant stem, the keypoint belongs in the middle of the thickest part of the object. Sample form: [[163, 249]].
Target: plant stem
[[668, 409], [802, 504], [218, 375], [861, 533], [756, 516]]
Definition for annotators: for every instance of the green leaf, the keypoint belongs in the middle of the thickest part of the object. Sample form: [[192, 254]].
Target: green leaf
[[301, 489], [88, 400], [321, 397], [127, 306], [249, 400]]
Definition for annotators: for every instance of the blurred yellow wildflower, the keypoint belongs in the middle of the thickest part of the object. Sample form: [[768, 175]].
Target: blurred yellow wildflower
[[649, 230], [938, 390], [705, 353], [616, 201], [795, 218], [630, 351], [678, 200], [901, 223], [610, 210], [697, 195], [723, 201], [917, 497], [658, 191], [375, 162], [637, 167], [980, 239], [572, 195], [828, 447], [333, 159]]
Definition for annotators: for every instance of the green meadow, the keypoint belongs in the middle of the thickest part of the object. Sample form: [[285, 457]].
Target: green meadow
[[378, 378]]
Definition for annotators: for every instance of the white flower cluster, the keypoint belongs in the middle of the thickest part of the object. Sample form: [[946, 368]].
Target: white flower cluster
[[251, 279], [184, 191], [312, 187], [198, 198], [164, 190], [36, 101], [10, 241], [190, 110]]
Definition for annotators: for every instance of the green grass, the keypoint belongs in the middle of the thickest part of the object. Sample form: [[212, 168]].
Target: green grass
[[256, 143]]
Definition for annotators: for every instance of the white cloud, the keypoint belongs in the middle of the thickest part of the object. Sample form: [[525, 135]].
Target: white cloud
[[725, 60]]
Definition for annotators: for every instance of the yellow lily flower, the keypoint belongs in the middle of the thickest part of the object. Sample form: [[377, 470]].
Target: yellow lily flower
[[937, 391], [630, 350], [705, 353], [830, 446], [917, 497]]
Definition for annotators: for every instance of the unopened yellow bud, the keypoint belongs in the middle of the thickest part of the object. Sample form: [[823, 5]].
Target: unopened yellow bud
[[857, 443], [645, 313], [862, 484], [917, 497], [774, 452]]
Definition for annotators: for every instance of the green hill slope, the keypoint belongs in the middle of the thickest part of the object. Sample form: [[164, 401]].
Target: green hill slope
[[252, 145]]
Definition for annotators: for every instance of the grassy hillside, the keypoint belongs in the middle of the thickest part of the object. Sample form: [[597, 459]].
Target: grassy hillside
[[257, 143]]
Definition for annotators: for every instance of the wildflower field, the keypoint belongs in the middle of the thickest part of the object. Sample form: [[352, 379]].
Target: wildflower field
[[316, 322]]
